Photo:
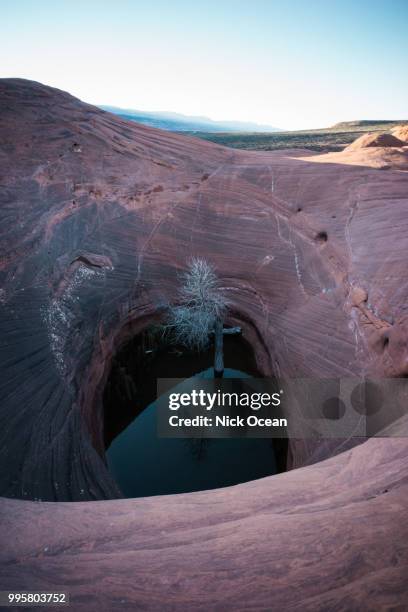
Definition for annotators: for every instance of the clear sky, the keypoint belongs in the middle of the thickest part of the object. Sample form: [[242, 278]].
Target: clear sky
[[288, 63]]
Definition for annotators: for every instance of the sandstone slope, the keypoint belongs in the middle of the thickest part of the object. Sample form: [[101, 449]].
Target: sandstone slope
[[98, 216]]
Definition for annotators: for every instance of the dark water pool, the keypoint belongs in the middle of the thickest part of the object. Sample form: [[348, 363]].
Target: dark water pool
[[144, 464]]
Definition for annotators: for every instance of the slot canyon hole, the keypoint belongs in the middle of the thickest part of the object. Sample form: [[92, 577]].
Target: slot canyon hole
[[144, 464]]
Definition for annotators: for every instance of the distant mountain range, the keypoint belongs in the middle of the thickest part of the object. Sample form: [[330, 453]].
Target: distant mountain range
[[175, 122]]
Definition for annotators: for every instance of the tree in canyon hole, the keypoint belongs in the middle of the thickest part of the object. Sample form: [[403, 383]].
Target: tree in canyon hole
[[200, 312]]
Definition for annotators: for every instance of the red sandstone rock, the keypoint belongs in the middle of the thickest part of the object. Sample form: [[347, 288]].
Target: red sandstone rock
[[92, 242], [378, 151], [332, 536], [401, 132], [375, 140], [98, 215]]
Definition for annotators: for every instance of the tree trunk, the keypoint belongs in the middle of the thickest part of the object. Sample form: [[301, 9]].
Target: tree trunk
[[218, 349]]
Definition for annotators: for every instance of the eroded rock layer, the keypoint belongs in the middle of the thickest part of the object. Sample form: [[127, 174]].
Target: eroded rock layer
[[332, 536], [98, 216]]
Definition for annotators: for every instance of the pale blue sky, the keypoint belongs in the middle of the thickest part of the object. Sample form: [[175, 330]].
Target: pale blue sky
[[289, 63]]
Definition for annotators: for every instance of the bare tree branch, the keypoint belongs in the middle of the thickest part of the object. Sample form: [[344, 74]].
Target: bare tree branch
[[201, 305]]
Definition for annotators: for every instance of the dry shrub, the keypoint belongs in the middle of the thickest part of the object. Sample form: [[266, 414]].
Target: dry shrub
[[201, 303]]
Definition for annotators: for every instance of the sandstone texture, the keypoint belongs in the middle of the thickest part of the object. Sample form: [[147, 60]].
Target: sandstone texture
[[378, 151], [332, 536], [98, 217], [401, 132], [375, 140]]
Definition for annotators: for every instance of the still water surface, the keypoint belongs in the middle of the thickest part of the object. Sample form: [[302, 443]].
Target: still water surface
[[144, 464]]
